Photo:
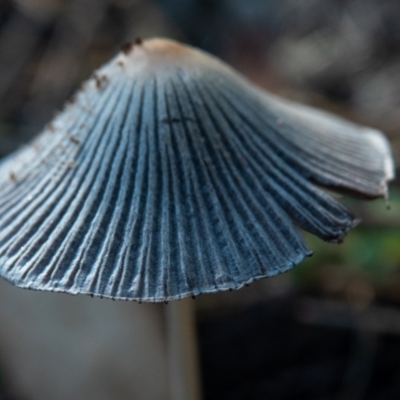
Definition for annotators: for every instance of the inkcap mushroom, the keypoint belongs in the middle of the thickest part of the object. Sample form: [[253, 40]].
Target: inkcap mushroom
[[169, 175]]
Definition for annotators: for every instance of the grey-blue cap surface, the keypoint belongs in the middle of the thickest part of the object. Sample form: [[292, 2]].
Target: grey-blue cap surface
[[170, 175]]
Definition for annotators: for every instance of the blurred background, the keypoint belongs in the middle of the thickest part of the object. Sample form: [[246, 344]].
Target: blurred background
[[329, 329]]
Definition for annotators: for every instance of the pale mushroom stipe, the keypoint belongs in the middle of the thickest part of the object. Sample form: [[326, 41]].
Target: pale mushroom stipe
[[169, 175]]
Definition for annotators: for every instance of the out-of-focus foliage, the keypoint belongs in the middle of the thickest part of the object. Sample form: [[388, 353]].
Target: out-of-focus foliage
[[368, 261]]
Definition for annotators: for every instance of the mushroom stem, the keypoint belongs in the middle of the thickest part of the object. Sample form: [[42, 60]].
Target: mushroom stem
[[184, 371]]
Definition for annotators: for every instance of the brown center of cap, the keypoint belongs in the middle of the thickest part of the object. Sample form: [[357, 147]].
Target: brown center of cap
[[161, 55]]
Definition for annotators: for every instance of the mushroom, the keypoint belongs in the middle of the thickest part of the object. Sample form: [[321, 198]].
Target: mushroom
[[169, 175]]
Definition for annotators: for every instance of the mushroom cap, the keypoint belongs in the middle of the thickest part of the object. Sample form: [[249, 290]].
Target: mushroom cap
[[169, 175]]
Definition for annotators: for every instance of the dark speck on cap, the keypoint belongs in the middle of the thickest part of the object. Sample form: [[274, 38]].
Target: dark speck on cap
[[127, 47]]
